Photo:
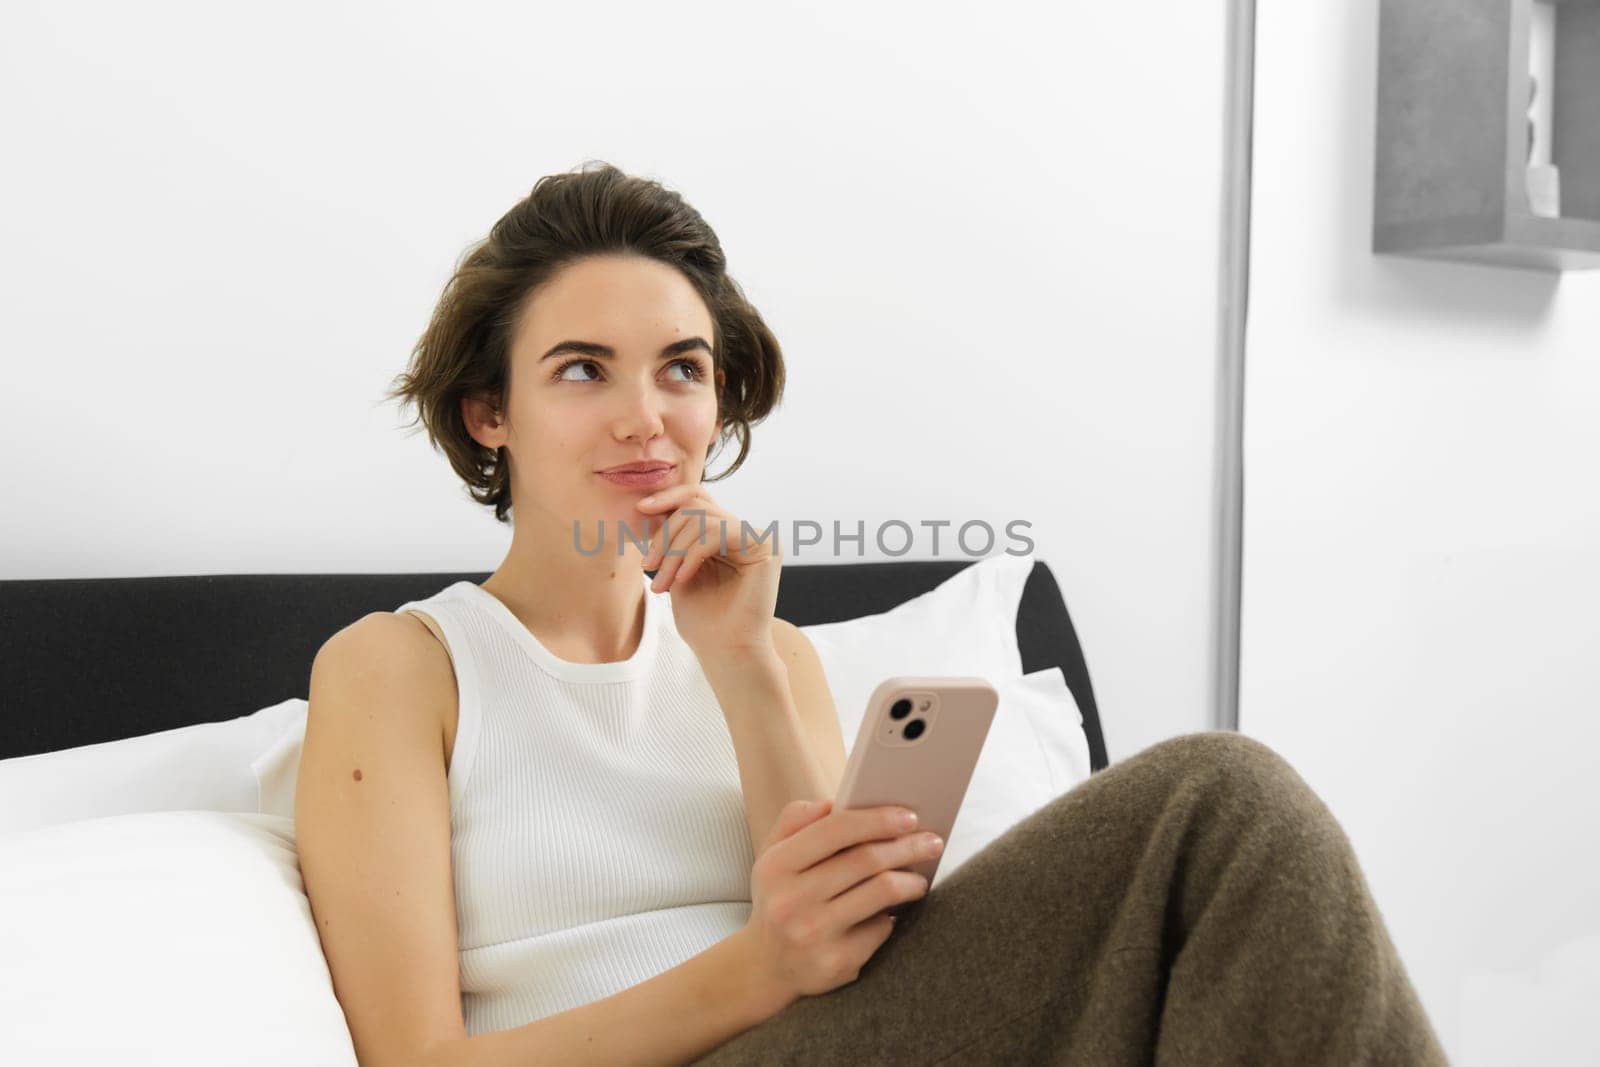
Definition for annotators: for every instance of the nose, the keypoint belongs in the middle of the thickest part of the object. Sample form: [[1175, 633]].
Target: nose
[[640, 417]]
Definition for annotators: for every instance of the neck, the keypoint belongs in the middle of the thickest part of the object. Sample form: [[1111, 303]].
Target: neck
[[584, 608]]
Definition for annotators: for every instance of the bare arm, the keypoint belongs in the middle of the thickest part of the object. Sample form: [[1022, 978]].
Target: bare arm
[[673, 1018], [374, 852], [783, 724]]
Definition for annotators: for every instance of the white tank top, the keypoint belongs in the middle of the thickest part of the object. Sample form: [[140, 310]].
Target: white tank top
[[597, 821]]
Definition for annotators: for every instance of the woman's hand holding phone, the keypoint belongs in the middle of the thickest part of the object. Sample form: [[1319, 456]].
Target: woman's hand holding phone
[[819, 890]]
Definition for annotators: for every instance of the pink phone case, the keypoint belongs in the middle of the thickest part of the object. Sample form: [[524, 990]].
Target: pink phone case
[[929, 772]]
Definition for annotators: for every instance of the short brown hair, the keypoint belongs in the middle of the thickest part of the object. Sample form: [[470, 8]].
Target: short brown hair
[[594, 210]]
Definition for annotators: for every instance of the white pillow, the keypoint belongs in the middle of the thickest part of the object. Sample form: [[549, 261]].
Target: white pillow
[[203, 766], [277, 769], [164, 938], [965, 626], [1035, 751]]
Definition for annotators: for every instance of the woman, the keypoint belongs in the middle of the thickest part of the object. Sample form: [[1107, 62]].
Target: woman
[[574, 814]]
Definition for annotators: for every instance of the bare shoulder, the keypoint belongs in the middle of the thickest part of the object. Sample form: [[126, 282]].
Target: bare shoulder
[[407, 652]]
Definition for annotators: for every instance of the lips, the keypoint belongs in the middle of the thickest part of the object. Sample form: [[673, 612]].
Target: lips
[[639, 467], [639, 476]]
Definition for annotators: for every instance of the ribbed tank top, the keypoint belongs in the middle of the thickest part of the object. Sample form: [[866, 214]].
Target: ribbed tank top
[[597, 821]]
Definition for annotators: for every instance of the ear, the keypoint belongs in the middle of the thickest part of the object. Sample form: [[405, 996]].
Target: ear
[[482, 421]]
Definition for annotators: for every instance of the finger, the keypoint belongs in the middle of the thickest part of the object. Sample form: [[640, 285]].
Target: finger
[[872, 896], [685, 566], [667, 527], [656, 529], [691, 563], [662, 498], [851, 827], [859, 862], [670, 497], [688, 540], [793, 816], [665, 552], [746, 544], [713, 548], [666, 577], [867, 936]]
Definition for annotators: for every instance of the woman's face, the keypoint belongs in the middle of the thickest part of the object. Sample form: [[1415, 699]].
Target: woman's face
[[575, 412]]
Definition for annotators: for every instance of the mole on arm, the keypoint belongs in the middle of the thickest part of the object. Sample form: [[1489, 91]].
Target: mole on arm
[[357, 774]]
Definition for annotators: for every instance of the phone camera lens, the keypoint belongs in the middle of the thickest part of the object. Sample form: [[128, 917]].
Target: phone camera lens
[[914, 729], [901, 709]]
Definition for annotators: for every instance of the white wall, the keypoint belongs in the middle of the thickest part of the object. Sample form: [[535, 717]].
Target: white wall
[[1422, 562], [987, 241]]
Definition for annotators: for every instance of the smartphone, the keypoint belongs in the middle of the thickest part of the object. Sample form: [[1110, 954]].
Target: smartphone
[[917, 748]]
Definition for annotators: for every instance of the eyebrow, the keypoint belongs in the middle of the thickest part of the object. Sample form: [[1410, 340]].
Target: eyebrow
[[589, 348]]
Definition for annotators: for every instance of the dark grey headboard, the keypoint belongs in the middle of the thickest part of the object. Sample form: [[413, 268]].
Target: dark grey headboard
[[97, 659]]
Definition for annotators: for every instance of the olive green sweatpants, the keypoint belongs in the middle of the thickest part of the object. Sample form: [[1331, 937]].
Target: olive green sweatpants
[[1195, 903]]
